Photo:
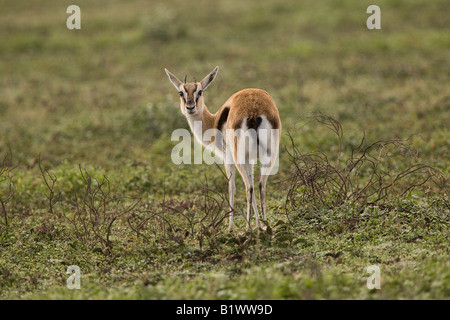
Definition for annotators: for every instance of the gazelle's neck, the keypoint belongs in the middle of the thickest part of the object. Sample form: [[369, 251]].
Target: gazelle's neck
[[201, 122]]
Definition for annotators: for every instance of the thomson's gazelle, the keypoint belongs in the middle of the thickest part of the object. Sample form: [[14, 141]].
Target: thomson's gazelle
[[249, 124]]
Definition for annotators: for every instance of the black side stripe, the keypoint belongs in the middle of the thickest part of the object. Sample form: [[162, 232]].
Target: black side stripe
[[223, 118]]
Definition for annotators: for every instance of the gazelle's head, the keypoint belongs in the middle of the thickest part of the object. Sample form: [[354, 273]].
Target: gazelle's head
[[191, 94]]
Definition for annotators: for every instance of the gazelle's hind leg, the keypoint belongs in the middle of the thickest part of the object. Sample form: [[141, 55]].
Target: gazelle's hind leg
[[246, 171], [252, 195], [262, 194], [265, 172], [271, 152], [231, 174]]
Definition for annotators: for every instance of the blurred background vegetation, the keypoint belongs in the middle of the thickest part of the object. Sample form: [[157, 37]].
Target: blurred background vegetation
[[98, 97]]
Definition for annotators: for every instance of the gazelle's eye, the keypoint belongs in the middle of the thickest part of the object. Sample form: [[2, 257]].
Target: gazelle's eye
[[181, 94], [199, 95]]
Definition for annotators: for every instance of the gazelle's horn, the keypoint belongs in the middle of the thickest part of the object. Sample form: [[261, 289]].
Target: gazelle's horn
[[185, 78]]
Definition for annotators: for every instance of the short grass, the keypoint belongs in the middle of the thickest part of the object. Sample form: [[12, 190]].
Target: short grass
[[97, 99]]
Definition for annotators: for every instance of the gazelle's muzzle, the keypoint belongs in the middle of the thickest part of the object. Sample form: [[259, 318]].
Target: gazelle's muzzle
[[190, 105]]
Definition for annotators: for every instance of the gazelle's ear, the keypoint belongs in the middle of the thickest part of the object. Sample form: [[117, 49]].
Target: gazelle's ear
[[209, 78], [174, 80]]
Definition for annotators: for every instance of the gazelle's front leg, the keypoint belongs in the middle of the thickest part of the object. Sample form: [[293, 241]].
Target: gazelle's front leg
[[230, 169]]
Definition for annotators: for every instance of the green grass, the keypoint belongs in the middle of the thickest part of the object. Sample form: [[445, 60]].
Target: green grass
[[98, 98]]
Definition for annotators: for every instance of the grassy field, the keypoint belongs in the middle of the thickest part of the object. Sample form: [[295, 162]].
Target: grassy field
[[86, 177]]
